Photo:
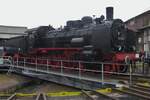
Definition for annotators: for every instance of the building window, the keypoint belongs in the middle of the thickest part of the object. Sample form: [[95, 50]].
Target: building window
[[132, 23], [139, 40]]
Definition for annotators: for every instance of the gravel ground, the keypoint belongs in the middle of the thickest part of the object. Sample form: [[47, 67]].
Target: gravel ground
[[46, 87], [37, 86], [7, 81]]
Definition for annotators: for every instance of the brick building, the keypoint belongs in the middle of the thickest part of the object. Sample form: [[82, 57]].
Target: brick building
[[141, 25]]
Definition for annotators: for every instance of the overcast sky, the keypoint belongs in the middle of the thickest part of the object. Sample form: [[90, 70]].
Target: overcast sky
[[32, 13]]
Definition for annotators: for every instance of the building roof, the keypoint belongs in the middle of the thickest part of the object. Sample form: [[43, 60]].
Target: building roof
[[12, 29], [7, 36], [7, 32], [146, 12], [13, 26]]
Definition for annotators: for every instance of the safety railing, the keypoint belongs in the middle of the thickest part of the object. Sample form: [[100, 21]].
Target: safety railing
[[6, 64], [100, 70], [82, 69]]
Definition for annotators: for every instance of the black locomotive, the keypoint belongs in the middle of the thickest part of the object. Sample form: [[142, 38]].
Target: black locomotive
[[106, 35], [92, 39], [97, 37]]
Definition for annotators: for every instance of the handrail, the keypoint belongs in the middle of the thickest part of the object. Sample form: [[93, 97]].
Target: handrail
[[82, 61], [62, 65], [78, 66]]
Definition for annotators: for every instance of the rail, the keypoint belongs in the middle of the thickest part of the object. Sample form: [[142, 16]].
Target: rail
[[134, 92], [12, 97], [47, 96], [41, 96], [107, 93], [98, 95], [88, 95]]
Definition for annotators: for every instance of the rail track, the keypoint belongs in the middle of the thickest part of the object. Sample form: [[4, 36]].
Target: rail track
[[134, 79], [95, 95], [15, 96], [82, 95], [139, 91], [134, 92]]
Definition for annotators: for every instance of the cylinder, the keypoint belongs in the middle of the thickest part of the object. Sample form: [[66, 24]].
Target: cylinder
[[109, 13]]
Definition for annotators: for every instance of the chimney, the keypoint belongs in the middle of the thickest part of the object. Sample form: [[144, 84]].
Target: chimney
[[109, 13]]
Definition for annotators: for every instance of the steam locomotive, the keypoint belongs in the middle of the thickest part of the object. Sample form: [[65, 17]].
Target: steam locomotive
[[88, 39]]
